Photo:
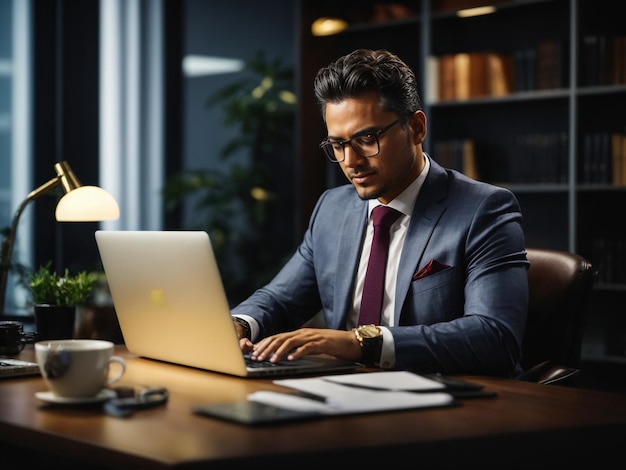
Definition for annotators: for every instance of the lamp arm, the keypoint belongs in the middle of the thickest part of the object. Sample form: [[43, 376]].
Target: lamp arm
[[9, 239]]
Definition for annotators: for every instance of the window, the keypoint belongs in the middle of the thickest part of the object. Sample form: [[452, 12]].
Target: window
[[15, 132]]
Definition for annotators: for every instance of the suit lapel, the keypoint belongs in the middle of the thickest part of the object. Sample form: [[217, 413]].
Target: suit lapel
[[429, 207], [351, 238]]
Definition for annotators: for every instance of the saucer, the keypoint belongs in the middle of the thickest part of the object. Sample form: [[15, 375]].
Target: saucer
[[50, 397]]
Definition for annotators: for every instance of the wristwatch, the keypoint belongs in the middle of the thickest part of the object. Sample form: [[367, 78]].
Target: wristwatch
[[244, 325], [370, 338]]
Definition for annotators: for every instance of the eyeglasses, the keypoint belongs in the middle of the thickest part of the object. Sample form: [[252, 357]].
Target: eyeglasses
[[365, 145]]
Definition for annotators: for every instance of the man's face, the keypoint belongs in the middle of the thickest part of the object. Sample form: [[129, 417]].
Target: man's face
[[387, 174]]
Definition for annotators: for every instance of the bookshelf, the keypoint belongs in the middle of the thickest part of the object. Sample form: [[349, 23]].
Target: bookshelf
[[530, 97]]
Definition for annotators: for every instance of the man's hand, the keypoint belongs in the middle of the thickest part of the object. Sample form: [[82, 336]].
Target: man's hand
[[246, 345], [305, 341]]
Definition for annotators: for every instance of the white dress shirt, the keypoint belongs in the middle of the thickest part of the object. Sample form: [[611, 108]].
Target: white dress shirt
[[403, 203]]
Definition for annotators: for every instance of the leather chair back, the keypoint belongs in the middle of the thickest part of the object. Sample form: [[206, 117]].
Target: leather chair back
[[560, 285]]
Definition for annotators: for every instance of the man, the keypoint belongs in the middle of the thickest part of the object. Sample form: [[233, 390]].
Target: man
[[456, 291]]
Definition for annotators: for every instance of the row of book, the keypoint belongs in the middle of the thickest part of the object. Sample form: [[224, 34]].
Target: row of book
[[469, 75], [609, 256], [603, 158], [458, 154], [545, 66], [474, 74], [603, 60], [538, 158]]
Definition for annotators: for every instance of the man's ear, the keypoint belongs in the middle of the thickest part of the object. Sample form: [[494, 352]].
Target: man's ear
[[417, 123]]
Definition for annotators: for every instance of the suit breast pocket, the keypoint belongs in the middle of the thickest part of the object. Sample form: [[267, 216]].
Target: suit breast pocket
[[434, 298], [447, 276]]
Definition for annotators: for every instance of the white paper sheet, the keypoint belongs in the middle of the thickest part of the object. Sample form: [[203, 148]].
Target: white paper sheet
[[388, 380], [336, 398]]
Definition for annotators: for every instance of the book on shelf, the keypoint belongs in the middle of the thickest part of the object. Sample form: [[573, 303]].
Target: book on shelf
[[551, 64], [463, 75], [609, 256], [536, 158], [596, 154], [603, 59], [447, 86], [623, 158], [457, 154], [618, 71], [617, 159], [500, 74], [431, 87], [469, 164], [470, 75], [539, 158], [590, 52], [525, 69], [620, 154], [603, 158]]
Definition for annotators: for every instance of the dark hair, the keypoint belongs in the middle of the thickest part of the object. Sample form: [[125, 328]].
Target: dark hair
[[364, 71]]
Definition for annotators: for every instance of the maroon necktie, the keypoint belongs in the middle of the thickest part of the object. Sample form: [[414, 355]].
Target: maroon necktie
[[374, 286]]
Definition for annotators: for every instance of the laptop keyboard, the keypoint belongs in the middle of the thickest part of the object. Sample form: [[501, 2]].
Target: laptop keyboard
[[254, 364]]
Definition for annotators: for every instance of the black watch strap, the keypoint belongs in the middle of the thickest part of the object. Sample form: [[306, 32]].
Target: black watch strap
[[244, 324], [371, 345], [371, 350]]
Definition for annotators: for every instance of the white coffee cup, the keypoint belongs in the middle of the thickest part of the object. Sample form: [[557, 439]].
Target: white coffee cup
[[78, 368]]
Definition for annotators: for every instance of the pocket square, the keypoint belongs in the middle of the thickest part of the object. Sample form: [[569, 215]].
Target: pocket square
[[432, 267]]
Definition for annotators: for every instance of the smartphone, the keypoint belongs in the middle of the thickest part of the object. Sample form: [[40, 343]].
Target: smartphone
[[252, 413], [459, 388]]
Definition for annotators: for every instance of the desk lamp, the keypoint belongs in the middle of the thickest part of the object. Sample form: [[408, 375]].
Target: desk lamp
[[79, 204]]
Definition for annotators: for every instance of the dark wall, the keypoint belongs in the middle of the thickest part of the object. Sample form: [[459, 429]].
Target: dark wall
[[65, 121], [231, 30]]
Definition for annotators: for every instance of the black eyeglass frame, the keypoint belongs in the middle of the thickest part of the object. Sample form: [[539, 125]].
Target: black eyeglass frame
[[327, 145]]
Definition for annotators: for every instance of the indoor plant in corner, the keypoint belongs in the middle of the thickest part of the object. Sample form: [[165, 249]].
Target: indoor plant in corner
[[55, 299], [244, 201]]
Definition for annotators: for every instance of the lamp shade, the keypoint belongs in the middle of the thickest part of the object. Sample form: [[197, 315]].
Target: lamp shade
[[328, 26], [87, 204]]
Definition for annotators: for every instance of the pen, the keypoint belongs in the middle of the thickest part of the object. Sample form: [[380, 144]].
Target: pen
[[310, 396]]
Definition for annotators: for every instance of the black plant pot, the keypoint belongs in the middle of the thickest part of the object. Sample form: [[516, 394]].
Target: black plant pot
[[55, 321]]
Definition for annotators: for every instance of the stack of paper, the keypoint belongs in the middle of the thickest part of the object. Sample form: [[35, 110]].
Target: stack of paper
[[358, 393]]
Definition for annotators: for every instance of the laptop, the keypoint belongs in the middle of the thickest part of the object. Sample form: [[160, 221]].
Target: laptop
[[171, 305], [17, 368]]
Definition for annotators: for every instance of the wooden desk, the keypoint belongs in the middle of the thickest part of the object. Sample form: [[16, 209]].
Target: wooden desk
[[525, 426]]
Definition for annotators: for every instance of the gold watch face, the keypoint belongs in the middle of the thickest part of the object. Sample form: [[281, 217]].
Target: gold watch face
[[369, 331]]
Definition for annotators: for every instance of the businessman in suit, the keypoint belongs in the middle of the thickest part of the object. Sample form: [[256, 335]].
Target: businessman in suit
[[456, 292]]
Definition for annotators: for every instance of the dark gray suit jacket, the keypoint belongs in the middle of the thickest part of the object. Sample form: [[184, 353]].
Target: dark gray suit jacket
[[468, 316]]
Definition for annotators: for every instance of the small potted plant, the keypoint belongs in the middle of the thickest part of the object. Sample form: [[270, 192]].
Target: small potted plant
[[55, 299]]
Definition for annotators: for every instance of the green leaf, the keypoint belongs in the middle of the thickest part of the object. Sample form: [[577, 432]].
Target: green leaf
[[47, 287]]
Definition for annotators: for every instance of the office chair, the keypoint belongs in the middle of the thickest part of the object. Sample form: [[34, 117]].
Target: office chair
[[559, 284]]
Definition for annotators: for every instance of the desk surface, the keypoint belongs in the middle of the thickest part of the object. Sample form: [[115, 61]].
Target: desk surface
[[523, 423]]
